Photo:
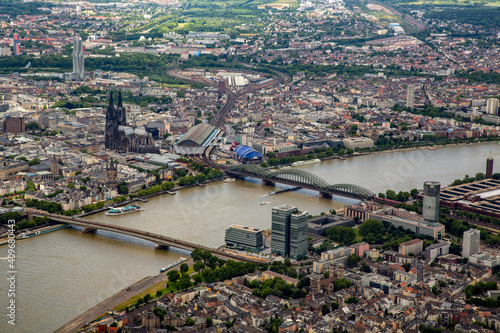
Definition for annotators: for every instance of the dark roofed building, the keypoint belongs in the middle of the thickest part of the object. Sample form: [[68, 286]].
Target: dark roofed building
[[319, 225]]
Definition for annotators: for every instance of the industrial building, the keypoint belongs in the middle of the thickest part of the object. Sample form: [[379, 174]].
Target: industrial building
[[289, 232], [244, 238]]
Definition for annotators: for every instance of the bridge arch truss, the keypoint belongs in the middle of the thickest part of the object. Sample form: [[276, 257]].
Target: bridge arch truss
[[301, 178]]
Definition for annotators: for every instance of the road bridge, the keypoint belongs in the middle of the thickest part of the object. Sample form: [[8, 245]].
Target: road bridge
[[302, 179], [160, 240]]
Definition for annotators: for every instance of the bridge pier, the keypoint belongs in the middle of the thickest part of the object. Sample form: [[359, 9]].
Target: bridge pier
[[325, 195], [89, 230], [267, 182]]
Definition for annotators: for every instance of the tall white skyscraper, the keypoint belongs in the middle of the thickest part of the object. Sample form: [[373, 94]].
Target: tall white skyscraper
[[470, 244], [410, 96], [492, 106], [78, 63]]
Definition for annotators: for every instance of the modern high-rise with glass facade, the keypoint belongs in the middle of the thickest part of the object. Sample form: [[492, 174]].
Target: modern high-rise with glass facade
[[298, 235], [289, 232]]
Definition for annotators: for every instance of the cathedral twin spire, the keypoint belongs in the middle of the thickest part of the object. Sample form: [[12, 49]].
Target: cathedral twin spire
[[116, 115]]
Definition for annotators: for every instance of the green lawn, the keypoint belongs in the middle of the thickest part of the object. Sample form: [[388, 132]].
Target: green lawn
[[358, 238]]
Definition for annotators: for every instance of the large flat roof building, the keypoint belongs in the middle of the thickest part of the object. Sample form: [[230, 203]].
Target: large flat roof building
[[480, 197], [397, 217], [244, 238]]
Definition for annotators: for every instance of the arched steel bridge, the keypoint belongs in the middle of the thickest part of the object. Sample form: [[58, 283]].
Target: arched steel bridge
[[301, 178], [160, 240]]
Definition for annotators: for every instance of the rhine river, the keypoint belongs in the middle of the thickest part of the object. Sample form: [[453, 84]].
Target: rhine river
[[64, 273]]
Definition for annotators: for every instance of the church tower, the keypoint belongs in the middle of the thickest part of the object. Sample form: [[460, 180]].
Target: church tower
[[111, 127], [111, 172], [54, 167], [120, 111]]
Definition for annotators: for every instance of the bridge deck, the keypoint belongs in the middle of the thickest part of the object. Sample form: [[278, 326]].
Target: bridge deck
[[303, 179], [152, 237]]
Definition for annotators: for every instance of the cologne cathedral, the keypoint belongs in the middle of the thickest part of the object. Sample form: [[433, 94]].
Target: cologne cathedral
[[123, 138]]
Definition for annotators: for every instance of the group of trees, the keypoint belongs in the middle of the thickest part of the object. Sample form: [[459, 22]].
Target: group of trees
[[201, 177], [4, 218], [34, 161], [317, 153], [488, 17], [48, 206], [284, 268], [211, 269], [277, 287], [24, 224], [165, 186], [372, 230], [401, 196], [478, 289], [91, 207], [342, 235], [14, 8], [468, 179]]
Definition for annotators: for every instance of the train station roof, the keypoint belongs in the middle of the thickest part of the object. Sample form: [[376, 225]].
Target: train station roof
[[197, 135]]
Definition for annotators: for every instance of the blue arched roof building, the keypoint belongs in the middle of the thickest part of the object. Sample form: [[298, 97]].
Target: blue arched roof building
[[247, 153]]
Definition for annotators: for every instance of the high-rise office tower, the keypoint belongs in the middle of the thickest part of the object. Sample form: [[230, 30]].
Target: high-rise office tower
[[78, 62], [489, 167], [430, 202], [470, 244], [492, 106], [17, 44], [410, 96], [298, 235], [289, 232]]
